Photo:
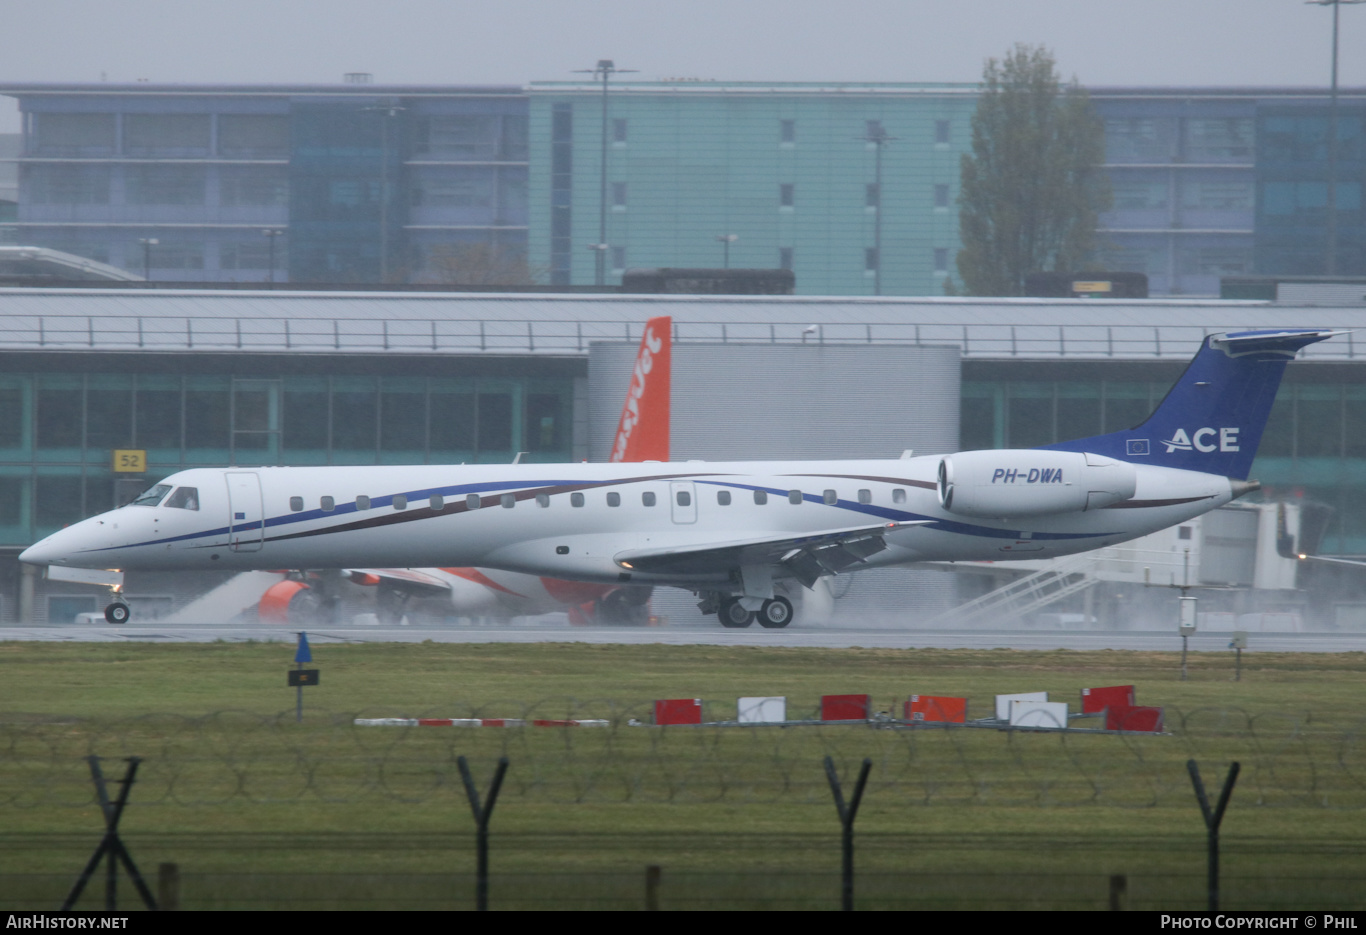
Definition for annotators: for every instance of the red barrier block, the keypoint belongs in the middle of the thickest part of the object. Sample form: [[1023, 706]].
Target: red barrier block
[[1133, 717], [845, 707], [937, 709], [679, 711], [1096, 700]]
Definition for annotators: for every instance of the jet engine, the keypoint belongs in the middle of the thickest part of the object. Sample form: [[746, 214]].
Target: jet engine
[[1030, 482], [289, 601]]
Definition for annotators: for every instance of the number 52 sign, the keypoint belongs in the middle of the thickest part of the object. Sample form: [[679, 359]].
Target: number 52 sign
[[130, 461]]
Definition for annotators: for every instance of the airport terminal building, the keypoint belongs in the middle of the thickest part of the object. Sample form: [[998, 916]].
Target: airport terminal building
[[184, 378], [854, 186]]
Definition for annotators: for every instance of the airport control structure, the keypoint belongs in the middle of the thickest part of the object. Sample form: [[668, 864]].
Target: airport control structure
[[106, 390]]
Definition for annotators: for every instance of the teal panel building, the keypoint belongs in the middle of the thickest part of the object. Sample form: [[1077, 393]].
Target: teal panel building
[[708, 174]]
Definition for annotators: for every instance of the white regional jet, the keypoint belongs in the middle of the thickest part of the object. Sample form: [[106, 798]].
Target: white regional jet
[[642, 435], [725, 531]]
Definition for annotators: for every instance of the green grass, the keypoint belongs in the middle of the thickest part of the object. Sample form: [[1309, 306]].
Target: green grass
[[239, 795]]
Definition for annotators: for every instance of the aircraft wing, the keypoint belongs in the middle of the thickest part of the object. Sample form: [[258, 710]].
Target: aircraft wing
[[1330, 561], [806, 557]]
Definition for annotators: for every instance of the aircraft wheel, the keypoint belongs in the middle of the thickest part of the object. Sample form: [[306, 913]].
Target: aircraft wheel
[[776, 613], [118, 612], [733, 615]]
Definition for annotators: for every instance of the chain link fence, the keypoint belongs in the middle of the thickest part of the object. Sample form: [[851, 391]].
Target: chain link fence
[[232, 757]]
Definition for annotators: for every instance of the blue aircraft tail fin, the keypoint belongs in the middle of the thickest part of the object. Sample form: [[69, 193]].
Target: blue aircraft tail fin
[[1212, 419]]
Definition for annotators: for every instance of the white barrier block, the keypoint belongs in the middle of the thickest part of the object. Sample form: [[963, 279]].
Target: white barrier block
[[1051, 714], [1003, 702], [768, 710]]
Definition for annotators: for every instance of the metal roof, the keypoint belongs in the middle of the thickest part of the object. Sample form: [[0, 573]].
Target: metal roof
[[339, 89], [564, 325]]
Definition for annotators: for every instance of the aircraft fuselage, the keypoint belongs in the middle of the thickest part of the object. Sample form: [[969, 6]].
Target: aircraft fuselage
[[576, 521]]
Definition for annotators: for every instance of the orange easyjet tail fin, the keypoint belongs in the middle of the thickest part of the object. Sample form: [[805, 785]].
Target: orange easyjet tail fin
[[643, 430]]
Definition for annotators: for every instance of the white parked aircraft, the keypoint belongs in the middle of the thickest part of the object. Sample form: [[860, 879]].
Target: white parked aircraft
[[726, 531]]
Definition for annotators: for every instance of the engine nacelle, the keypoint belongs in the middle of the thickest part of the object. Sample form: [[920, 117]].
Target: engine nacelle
[[1030, 482]]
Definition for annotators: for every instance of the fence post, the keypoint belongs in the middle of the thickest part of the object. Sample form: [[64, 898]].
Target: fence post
[[110, 846], [1212, 821], [482, 814], [1119, 888], [847, 815], [653, 872], [168, 886]]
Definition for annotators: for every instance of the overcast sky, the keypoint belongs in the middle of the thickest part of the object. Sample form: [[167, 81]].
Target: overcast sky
[[1101, 42]]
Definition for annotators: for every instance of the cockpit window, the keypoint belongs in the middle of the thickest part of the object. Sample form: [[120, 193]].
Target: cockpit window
[[184, 498], [153, 496]]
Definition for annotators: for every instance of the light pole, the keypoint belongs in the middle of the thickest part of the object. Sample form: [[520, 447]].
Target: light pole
[[878, 137], [727, 240], [1331, 264], [600, 257], [605, 69], [272, 233], [147, 244], [386, 112]]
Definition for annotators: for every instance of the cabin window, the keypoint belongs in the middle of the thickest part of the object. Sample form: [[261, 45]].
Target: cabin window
[[760, 497], [898, 495], [296, 504], [543, 499], [648, 498], [328, 504], [472, 501], [794, 497], [508, 500], [684, 498], [153, 496], [830, 497], [613, 499], [723, 497], [436, 501], [362, 502], [576, 499], [865, 496], [184, 498], [400, 502]]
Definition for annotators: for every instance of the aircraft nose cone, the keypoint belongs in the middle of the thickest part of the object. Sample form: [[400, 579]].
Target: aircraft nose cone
[[40, 553], [56, 549]]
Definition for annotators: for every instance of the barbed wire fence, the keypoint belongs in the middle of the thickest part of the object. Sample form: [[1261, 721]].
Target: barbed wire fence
[[1288, 760]]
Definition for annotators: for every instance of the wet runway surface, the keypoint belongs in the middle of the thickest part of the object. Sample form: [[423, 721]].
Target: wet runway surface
[[829, 637]]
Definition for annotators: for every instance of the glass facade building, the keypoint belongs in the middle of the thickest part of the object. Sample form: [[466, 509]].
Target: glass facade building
[[62, 417], [351, 183], [1292, 181], [1207, 182], [1229, 182], [502, 185]]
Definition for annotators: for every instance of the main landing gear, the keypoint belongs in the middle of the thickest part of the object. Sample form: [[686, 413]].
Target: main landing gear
[[774, 614], [117, 612], [732, 615]]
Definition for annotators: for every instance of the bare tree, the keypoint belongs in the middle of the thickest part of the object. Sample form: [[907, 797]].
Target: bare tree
[[1033, 186]]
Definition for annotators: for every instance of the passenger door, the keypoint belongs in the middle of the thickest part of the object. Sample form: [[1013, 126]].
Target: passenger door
[[246, 512]]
